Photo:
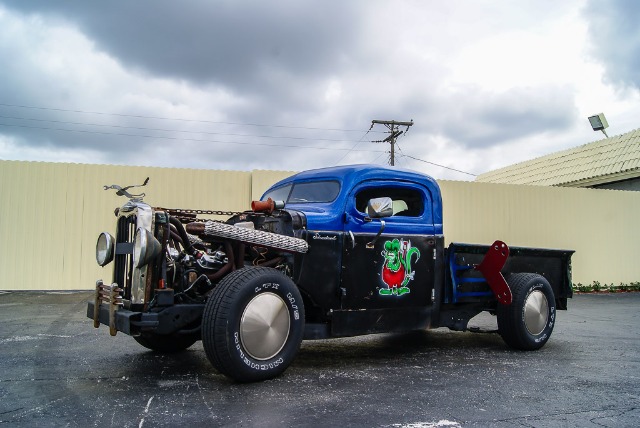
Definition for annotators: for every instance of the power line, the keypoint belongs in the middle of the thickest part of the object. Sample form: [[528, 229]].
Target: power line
[[176, 130], [178, 119], [354, 146], [378, 157], [441, 166], [391, 138], [401, 154], [183, 139]]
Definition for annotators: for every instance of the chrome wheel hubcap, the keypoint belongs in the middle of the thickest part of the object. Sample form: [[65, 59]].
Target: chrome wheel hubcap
[[264, 326], [536, 312]]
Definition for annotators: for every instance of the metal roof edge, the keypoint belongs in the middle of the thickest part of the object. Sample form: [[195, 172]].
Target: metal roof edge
[[514, 172], [603, 179]]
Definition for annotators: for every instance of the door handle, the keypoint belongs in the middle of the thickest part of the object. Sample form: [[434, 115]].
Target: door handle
[[371, 244]]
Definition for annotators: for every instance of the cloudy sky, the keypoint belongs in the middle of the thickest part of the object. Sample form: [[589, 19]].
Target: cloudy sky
[[291, 85]]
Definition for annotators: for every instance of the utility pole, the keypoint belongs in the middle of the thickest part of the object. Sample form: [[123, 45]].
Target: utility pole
[[394, 133]]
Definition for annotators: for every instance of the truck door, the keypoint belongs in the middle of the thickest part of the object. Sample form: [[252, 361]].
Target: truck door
[[388, 262]]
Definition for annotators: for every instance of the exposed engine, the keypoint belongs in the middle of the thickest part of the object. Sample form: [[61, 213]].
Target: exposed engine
[[199, 254], [164, 257]]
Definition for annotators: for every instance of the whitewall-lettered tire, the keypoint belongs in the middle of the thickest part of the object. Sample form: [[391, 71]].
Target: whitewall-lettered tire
[[528, 321], [253, 324]]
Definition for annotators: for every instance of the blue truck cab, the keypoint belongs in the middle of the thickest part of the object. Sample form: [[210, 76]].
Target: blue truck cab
[[349, 251], [334, 199], [332, 252]]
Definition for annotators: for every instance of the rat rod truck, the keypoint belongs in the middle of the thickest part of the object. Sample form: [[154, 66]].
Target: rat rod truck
[[326, 253]]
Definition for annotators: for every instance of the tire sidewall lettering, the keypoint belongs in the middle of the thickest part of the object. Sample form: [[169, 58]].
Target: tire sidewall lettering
[[253, 364], [267, 286], [294, 306]]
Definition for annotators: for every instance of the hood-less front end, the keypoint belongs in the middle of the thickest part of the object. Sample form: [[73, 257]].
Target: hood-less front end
[[131, 250]]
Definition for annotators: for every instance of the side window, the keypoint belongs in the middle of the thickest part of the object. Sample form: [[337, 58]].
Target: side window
[[305, 192], [279, 194], [406, 202]]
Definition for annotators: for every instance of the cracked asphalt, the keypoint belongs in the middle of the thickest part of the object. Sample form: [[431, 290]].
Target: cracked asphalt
[[57, 370]]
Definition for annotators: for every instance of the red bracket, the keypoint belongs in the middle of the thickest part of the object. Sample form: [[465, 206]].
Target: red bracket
[[491, 267], [267, 206]]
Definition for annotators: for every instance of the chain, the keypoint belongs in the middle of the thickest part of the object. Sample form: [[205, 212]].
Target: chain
[[185, 214], [210, 212]]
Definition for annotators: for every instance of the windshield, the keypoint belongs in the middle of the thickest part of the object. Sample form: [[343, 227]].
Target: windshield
[[312, 191]]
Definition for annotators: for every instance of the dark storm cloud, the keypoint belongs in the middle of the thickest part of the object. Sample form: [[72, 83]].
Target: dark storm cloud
[[614, 30], [243, 45], [273, 60], [303, 68], [479, 119]]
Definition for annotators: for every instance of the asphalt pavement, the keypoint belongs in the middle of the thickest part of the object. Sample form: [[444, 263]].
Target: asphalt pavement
[[57, 370]]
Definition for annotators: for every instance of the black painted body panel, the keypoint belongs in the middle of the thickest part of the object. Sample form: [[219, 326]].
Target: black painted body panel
[[317, 273], [364, 269]]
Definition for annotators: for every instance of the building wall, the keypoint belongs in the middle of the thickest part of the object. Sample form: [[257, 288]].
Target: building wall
[[52, 213], [262, 180], [600, 225]]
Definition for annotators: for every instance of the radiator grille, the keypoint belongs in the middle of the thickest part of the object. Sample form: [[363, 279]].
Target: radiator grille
[[124, 254]]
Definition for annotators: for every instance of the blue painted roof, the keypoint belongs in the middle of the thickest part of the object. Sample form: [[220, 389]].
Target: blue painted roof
[[330, 216]]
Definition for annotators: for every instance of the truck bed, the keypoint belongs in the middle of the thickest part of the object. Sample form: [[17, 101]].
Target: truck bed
[[465, 284]]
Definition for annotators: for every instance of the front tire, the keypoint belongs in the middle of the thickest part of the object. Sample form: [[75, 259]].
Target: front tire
[[167, 343], [253, 324], [527, 323]]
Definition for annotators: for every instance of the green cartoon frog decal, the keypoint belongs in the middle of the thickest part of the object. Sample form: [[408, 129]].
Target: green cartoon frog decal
[[396, 271]]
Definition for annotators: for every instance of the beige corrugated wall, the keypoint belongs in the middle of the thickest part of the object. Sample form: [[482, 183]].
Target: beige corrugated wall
[[262, 180], [51, 214], [600, 225]]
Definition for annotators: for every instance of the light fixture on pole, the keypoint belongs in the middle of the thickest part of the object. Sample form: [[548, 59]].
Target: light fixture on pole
[[599, 123]]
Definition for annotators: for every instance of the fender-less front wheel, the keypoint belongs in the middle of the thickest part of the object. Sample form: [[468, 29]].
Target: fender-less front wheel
[[253, 324], [527, 323], [167, 343]]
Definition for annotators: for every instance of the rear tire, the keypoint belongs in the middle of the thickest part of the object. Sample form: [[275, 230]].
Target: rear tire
[[527, 323], [253, 324], [167, 343]]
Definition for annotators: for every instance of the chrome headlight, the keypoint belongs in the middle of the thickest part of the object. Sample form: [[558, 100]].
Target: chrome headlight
[[145, 247], [104, 249]]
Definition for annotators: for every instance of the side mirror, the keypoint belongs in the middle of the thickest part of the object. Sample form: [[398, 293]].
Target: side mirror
[[380, 207]]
